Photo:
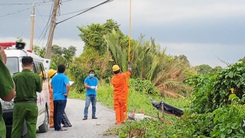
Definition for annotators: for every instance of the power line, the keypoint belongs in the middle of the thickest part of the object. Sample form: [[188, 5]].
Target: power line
[[18, 4], [73, 12], [45, 30], [36, 4], [15, 12], [25, 3], [107, 1]]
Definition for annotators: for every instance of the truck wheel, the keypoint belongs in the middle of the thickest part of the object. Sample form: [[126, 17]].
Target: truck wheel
[[45, 126]]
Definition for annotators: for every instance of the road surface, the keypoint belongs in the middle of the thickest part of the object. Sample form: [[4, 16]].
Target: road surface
[[91, 128]]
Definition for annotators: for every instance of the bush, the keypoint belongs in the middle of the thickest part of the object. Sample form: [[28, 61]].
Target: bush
[[215, 110], [212, 90], [144, 86], [223, 122]]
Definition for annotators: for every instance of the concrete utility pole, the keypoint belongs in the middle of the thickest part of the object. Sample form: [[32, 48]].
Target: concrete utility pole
[[51, 29], [32, 27]]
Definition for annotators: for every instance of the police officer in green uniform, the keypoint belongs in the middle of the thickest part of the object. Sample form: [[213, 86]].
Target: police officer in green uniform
[[25, 108], [7, 91]]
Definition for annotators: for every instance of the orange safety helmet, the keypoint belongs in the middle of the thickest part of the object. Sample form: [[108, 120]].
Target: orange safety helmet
[[115, 68], [51, 72]]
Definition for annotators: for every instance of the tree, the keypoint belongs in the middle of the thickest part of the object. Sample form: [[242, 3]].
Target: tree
[[203, 69], [150, 63], [95, 53], [92, 35], [62, 55], [59, 55], [115, 48], [243, 59], [105, 45], [39, 51]]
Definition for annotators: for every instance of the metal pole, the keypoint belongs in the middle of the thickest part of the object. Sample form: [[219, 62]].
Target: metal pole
[[129, 49], [130, 31]]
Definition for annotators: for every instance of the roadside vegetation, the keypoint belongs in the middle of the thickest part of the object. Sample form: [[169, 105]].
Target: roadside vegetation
[[140, 102], [212, 98]]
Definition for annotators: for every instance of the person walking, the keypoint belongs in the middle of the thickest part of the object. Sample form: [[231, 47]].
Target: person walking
[[27, 84], [120, 92], [61, 87], [7, 89], [91, 84]]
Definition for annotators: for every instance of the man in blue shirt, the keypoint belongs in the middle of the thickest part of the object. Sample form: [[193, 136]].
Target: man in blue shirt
[[61, 88], [91, 84]]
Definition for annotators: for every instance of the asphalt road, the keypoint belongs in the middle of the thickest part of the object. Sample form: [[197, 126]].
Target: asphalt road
[[91, 128]]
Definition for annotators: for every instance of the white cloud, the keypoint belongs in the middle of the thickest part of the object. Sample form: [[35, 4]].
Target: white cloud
[[202, 25], [60, 42], [211, 54], [163, 11]]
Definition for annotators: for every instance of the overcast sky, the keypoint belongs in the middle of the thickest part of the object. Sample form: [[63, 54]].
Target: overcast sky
[[206, 31]]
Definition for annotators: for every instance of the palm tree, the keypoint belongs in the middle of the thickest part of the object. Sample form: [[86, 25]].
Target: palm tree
[[119, 54]]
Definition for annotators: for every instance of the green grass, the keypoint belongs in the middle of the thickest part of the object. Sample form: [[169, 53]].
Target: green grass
[[141, 102], [136, 100]]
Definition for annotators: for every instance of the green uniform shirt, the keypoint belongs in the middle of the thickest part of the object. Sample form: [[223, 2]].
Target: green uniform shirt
[[27, 84], [6, 86]]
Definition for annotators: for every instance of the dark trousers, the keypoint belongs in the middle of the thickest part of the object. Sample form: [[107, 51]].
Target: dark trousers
[[59, 107], [65, 121]]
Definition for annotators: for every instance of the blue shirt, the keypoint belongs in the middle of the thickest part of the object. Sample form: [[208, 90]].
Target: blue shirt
[[91, 82], [59, 83]]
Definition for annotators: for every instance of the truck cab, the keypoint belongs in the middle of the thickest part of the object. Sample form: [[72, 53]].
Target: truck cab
[[14, 57]]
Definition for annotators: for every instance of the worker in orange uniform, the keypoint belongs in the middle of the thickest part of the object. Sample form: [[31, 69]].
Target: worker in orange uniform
[[120, 84], [51, 73]]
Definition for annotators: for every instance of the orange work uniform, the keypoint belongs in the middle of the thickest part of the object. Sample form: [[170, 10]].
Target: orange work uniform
[[119, 82], [51, 104], [51, 73]]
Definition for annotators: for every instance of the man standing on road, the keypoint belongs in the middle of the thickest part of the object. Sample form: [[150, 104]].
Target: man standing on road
[[120, 84], [91, 84], [7, 91], [25, 106], [61, 88]]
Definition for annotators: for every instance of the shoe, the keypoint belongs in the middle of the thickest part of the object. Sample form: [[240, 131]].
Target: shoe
[[94, 117], [85, 118], [67, 125], [62, 129]]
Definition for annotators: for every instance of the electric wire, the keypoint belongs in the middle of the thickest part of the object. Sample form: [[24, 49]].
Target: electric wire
[[24, 4], [11, 4], [45, 30], [15, 12], [23, 29], [107, 1], [73, 12], [43, 34]]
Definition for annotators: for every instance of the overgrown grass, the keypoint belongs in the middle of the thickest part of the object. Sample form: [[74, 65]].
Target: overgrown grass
[[136, 100], [140, 102]]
